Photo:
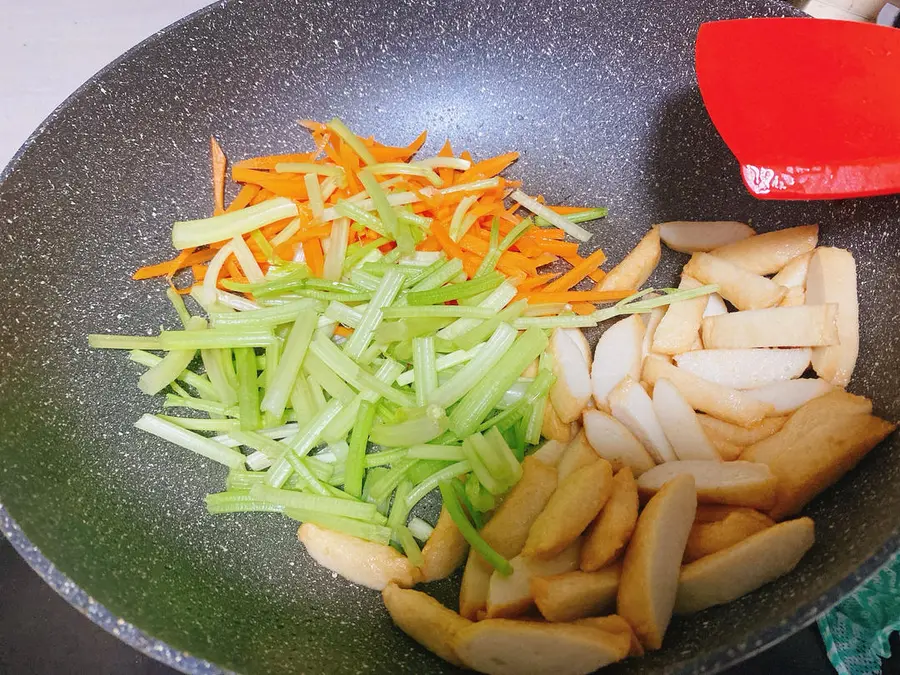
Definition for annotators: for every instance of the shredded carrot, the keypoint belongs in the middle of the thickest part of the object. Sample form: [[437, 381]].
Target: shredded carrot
[[315, 258], [219, 163], [244, 197], [544, 259], [583, 308], [565, 210], [560, 248], [575, 260], [199, 272], [268, 162], [429, 243], [171, 266], [539, 297], [343, 331], [488, 168], [234, 271], [547, 233], [387, 153], [535, 282], [261, 196], [578, 272], [282, 185]]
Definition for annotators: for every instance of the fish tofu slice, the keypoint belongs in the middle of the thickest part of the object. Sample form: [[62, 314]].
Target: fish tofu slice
[[509, 647], [804, 326], [726, 404], [650, 570], [611, 531], [743, 289], [576, 595], [445, 549], [570, 510], [770, 252], [679, 327], [740, 569], [613, 442], [702, 236], [832, 279], [425, 620], [707, 538], [739, 483], [746, 368], [636, 267], [818, 444]]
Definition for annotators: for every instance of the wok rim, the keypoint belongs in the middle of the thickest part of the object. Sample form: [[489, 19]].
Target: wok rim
[[712, 661]]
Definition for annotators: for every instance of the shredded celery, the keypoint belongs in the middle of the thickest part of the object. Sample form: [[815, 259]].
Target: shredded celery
[[497, 300], [371, 318], [248, 388], [355, 528], [577, 217], [279, 390], [432, 481], [420, 529], [424, 363], [352, 140], [550, 216], [291, 499], [415, 431], [450, 292], [449, 453], [189, 440], [238, 501], [192, 233], [203, 386], [405, 169], [451, 503], [99, 341], [215, 338]]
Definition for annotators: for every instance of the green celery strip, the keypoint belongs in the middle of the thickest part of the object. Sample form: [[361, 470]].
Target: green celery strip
[[335, 506], [329, 295], [442, 363], [463, 497], [269, 317], [353, 374], [102, 341], [273, 367], [178, 303], [431, 482], [361, 216], [455, 291], [302, 443], [537, 396], [399, 510], [425, 368], [341, 425], [502, 454], [578, 217], [301, 399], [189, 440], [348, 316], [215, 338], [218, 363], [306, 476], [420, 529], [481, 469], [282, 383], [387, 214], [550, 216], [499, 298], [248, 390], [448, 271], [384, 457], [483, 331], [481, 399], [365, 280], [356, 459], [238, 501], [355, 528], [478, 498], [404, 169], [451, 503], [379, 269], [351, 139], [406, 329], [371, 318], [386, 482], [477, 369], [409, 545], [274, 283], [442, 311], [357, 254], [192, 233], [331, 381], [447, 453], [416, 431], [211, 407], [200, 424], [203, 386]]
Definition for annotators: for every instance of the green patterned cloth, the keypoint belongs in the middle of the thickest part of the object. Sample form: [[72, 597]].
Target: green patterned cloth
[[856, 632]]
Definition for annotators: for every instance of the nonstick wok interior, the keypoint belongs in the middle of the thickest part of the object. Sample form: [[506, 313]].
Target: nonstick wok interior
[[601, 102]]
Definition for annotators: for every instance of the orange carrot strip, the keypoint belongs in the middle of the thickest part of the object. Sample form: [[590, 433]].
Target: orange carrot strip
[[243, 198], [574, 260], [533, 283], [563, 210], [219, 163], [199, 272], [583, 308], [387, 153], [343, 330], [537, 297], [315, 258], [578, 272], [268, 162], [429, 243], [450, 247], [283, 185], [164, 268], [312, 125], [447, 175], [261, 196], [560, 248], [488, 168], [234, 272], [546, 233], [544, 259]]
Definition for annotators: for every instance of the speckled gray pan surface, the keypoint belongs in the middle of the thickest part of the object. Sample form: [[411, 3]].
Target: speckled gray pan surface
[[601, 102]]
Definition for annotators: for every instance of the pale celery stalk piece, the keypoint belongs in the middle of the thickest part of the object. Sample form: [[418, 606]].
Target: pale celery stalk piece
[[169, 368], [205, 388], [442, 363], [189, 440], [457, 469], [337, 249], [490, 353], [314, 194], [192, 233], [246, 260], [405, 169], [302, 443], [295, 348], [420, 529], [373, 315], [444, 163], [356, 144], [425, 368], [550, 216], [499, 298]]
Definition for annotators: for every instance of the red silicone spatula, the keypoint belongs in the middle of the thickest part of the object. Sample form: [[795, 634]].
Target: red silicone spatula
[[810, 107]]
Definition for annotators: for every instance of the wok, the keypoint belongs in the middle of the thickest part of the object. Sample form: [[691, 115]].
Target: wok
[[601, 101]]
